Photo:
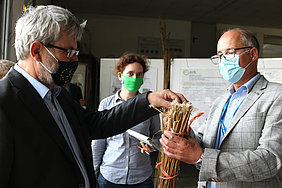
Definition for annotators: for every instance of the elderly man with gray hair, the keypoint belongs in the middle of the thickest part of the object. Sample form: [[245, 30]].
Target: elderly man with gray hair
[[45, 136]]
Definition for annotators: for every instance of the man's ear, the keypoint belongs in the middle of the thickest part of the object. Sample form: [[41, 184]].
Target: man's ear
[[36, 50], [254, 54]]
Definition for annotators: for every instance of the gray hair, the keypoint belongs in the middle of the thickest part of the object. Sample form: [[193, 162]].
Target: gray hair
[[44, 24]]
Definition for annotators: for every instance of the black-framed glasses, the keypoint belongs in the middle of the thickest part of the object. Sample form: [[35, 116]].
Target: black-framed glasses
[[70, 53], [228, 54]]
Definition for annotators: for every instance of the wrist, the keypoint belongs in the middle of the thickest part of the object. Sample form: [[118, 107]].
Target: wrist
[[147, 96], [198, 164]]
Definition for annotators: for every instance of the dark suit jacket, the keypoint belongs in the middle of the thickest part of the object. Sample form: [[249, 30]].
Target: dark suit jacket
[[33, 151]]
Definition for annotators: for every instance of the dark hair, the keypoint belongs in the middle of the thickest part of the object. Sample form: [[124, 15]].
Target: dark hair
[[129, 58]]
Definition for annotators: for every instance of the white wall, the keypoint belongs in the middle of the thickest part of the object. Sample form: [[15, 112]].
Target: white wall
[[111, 36]]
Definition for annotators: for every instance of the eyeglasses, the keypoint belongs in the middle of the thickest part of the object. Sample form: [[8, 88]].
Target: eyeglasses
[[228, 54], [70, 53]]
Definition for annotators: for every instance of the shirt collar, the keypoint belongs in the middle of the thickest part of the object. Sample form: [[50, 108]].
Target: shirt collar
[[117, 97], [40, 88], [248, 86]]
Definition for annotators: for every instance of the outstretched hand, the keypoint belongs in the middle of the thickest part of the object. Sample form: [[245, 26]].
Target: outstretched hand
[[186, 150], [164, 97]]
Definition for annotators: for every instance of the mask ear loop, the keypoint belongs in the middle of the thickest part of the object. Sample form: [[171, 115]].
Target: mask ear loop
[[45, 67], [248, 65], [51, 53], [52, 56]]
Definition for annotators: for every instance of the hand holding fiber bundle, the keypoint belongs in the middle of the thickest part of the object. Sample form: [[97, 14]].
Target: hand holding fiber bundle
[[177, 120]]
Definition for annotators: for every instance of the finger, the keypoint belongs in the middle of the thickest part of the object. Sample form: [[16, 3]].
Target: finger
[[182, 98], [171, 153], [146, 146], [167, 143], [176, 151], [142, 144], [172, 137], [149, 149], [158, 99], [145, 151], [176, 96], [164, 101], [163, 141]]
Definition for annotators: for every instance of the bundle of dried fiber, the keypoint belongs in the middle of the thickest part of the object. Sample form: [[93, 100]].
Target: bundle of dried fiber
[[177, 119]]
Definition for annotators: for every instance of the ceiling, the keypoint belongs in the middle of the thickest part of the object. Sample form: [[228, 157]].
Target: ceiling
[[262, 13]]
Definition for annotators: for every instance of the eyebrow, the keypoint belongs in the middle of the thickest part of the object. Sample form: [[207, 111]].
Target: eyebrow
[[225, 50], [137, 72]]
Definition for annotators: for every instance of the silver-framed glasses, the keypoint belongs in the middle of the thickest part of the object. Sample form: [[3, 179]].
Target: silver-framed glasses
[[228, 54]]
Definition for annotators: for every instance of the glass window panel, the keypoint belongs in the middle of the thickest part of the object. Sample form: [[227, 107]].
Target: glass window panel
[[272, 51]]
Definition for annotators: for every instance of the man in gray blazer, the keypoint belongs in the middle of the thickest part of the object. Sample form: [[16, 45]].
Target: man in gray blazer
[[240, 145]]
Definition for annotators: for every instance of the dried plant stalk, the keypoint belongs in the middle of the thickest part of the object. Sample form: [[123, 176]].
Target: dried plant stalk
[[166, 53], [178, 117]]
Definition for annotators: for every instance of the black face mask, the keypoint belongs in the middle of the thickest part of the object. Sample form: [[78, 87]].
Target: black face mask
[[64, 73]]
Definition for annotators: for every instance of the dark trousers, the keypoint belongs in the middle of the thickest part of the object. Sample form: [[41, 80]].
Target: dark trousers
[[103, 183]]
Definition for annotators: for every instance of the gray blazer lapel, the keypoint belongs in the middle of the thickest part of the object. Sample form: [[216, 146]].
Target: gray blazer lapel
[[251, 98], [213, 122]]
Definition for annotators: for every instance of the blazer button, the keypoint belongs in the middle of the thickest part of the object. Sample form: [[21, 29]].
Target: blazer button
[[81, 185]]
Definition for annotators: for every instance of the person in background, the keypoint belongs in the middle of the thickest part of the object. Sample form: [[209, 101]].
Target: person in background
[[45, 136], [240, 145], [5, 66], [75, 91], [118, 161]]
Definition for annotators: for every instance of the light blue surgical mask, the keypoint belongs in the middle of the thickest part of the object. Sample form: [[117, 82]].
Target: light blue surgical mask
[[230, 68]]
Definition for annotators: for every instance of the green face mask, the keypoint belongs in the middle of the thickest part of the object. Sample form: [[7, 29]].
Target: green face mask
[[131, 84]]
